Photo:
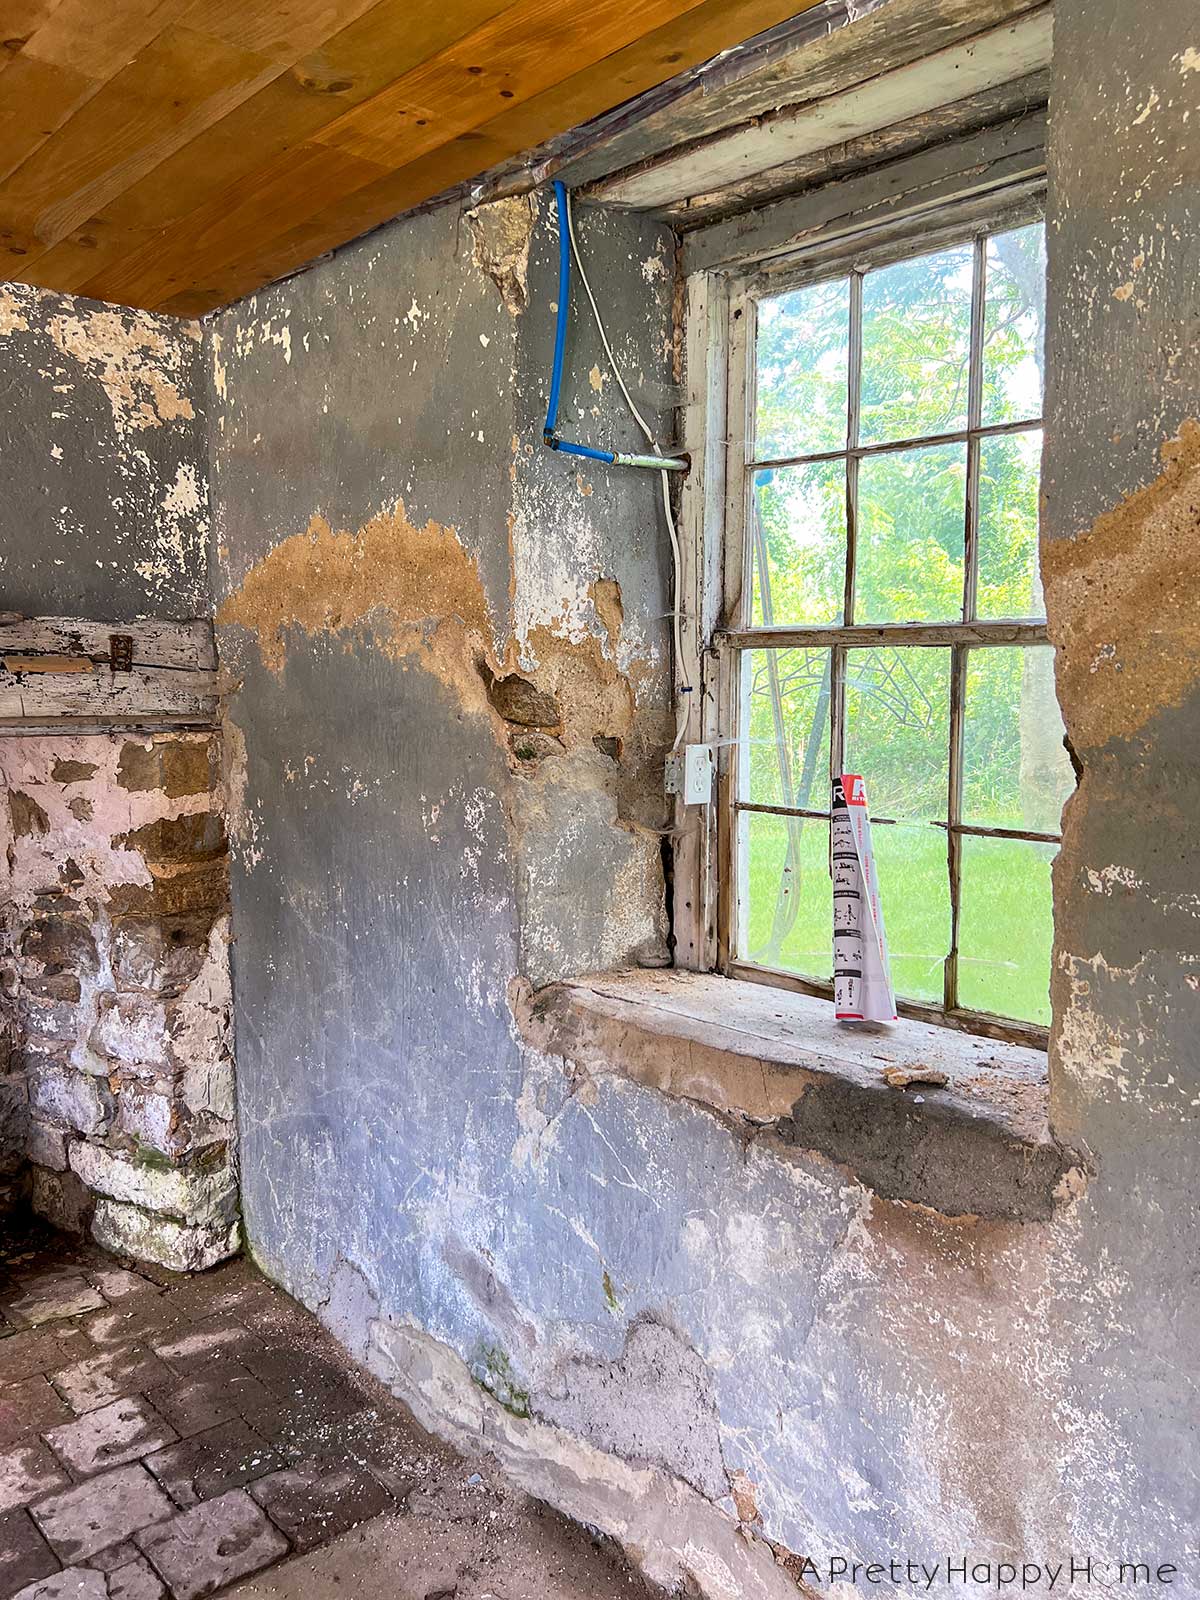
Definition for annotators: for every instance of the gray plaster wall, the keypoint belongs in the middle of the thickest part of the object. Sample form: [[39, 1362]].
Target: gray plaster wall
[[104, 510], [659, 1306]]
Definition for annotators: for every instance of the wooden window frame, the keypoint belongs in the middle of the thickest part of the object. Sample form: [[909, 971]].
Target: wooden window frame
[[718, 423]]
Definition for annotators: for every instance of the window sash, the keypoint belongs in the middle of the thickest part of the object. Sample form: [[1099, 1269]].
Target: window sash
[[968, 632]]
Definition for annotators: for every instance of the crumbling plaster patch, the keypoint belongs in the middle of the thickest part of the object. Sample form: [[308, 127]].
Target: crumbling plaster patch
[[140, 369], [1121, 602]]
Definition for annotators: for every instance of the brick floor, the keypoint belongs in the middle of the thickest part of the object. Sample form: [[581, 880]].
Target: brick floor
[[162, 1438]]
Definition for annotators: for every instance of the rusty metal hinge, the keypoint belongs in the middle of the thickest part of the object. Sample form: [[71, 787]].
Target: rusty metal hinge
[[120, 652]]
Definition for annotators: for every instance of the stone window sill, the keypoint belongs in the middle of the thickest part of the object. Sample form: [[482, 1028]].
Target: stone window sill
[[976, 1144]]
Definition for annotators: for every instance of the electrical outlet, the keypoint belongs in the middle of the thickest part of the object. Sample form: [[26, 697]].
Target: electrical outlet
[[689, 774]]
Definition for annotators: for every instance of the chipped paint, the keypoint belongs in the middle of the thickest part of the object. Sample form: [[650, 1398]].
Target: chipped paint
[[501, 233]]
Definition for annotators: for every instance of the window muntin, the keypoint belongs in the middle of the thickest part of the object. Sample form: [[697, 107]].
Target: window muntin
[[890, 558]]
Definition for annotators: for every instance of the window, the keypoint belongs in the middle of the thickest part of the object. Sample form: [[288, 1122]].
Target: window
[[886, 618]]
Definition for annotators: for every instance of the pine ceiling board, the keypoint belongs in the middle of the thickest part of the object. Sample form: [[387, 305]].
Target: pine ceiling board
[[669, 50], [99, 37], [528, 48], [279, 115], [260, 206], [718, 23], [37, 97], [282, 30], [21, 19], [177, 85], [268, 165]]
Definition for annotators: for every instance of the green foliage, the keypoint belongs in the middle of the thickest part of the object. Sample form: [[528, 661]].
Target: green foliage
[[910, 517]]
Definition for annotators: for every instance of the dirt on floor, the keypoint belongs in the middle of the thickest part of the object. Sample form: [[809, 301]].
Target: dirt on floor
[[181, 1437]]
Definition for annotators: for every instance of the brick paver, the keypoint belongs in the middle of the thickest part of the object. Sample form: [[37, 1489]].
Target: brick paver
[[109, 1436], [101, 1512], [24, 1554], [213, 1544], [161, 1438]]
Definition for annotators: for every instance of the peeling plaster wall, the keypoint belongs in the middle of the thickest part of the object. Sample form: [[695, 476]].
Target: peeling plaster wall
[[105, 505], [677, 1329]]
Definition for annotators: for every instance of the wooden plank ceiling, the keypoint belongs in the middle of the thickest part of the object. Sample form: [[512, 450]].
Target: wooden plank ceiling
[[176, 154]]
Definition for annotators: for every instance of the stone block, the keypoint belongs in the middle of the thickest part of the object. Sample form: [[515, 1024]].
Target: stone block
[[102, 1379], [177, 766], [103, 1511], [208, 1086], [46, 1146], [160, 954], [110, 1437], [61, 944], [27, 1472], [24, 1554], [222, 1392], [210, 1546], [132, 1028], [209, 1344], [41, 1350], [68, 1098], [118, 1283], [174, 888], [197, 836], [62, 1199], [153, 1119], [180, 1247], [318, 1500], [14, 1124], [201, 1192], [50, 1022]]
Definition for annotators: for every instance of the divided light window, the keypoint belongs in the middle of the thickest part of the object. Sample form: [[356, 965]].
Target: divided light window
[[892, 623]]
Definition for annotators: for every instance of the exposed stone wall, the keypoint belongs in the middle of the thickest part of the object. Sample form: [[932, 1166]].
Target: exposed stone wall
[[115, 930]]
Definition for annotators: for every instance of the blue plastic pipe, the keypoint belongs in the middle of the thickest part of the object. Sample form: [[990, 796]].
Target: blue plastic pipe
[[564, 295], [549, 431]]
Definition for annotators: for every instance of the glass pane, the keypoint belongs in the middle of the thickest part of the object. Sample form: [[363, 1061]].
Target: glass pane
[[1005, 928], [914, 891], [785, 712], [1014, 323], [785, 897], [916, 343], [911, 515], [803, 357], [1016, 773], [1009, 473], [898, 730], [798, 544]]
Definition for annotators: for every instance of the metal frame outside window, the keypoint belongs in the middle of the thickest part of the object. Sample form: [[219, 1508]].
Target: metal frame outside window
[[920, 236]]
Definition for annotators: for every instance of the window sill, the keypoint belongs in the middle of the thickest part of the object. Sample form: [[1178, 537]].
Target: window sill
[[978, 1144]]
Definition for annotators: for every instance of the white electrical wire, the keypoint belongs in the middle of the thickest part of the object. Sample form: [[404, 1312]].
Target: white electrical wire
[[676, 563]]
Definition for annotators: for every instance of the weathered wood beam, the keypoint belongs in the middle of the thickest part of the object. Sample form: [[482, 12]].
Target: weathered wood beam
[[1012, 51], [983, 164], [69, 672]]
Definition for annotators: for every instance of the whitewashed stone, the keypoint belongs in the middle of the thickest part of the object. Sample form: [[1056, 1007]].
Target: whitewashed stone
[[126, 1230], [192, 1194], [59, 1094], [47, 1146]]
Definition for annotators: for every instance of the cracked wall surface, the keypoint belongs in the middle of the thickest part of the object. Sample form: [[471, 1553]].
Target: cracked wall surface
[[448, 665], [105, 504], [446, 746]]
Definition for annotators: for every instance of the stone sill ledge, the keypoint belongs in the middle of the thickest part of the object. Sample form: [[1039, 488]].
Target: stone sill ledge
[[979, 1145]]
